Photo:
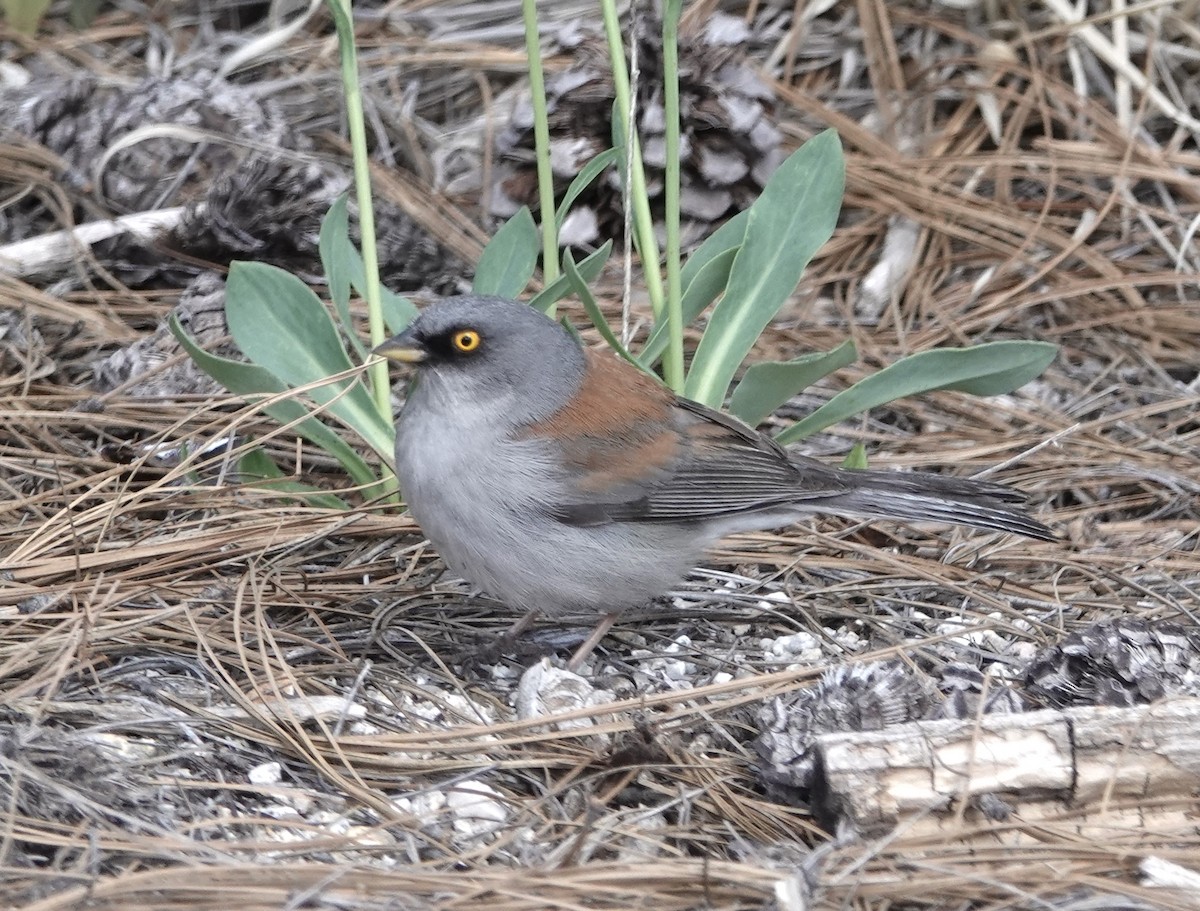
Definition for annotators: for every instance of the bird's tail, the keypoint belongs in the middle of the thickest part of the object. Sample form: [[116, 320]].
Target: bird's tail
[[957, 501]]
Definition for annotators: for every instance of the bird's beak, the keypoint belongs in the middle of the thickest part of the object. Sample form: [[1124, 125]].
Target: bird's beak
[[403, 348]]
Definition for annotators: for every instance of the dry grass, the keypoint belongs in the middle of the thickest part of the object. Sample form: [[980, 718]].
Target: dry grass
[[165, 633]]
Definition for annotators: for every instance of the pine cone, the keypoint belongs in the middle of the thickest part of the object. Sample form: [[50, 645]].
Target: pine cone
[[1119, 662], [264, 203], [201, 311], [857, 697], [84, 121], [729, 144]]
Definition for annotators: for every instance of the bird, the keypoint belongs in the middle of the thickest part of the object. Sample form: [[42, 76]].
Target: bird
[[564, 480]]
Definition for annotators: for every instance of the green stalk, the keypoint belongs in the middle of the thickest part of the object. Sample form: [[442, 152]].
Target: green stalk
[[541, 136], [670, 43], [381, 388], [643, 226]]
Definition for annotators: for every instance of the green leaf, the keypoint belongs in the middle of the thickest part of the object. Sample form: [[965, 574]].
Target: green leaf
[[587, 174], [767, 386], [257, 469], [24, 15], [709, 283], [337, 257], [588, 268], [344, 263], [398, 311], [729, 237], [787, 225], [617, 124], [703, 279], [579, 286], [571, 330], [992, 369], [281, 325], [856, 458], [82, 13], [256, 383], [341, 259], [510, 257]]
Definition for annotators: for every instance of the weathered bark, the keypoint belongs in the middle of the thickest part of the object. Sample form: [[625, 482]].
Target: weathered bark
[[1104, 767]]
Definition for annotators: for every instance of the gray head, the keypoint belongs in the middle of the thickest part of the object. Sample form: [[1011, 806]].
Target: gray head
[[492, 352]]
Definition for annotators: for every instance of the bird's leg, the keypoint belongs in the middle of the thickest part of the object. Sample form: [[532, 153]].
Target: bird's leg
[[591, 641], [509, 638], [491, 648]]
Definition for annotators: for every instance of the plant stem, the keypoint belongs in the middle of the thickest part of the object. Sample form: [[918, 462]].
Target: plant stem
[[541, 136], [636, 185], [673, 362], [381, 388]]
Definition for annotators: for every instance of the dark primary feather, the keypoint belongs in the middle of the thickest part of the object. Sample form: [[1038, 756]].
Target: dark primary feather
[[721, 467], [724, 468]]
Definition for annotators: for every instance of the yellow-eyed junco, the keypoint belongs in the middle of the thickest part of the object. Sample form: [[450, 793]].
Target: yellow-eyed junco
[[564, 480]]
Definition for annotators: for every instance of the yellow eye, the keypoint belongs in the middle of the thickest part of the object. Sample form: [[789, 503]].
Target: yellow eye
[[465, 341]]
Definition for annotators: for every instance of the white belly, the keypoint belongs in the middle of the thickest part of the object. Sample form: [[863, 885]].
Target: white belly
[[483, 505]]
